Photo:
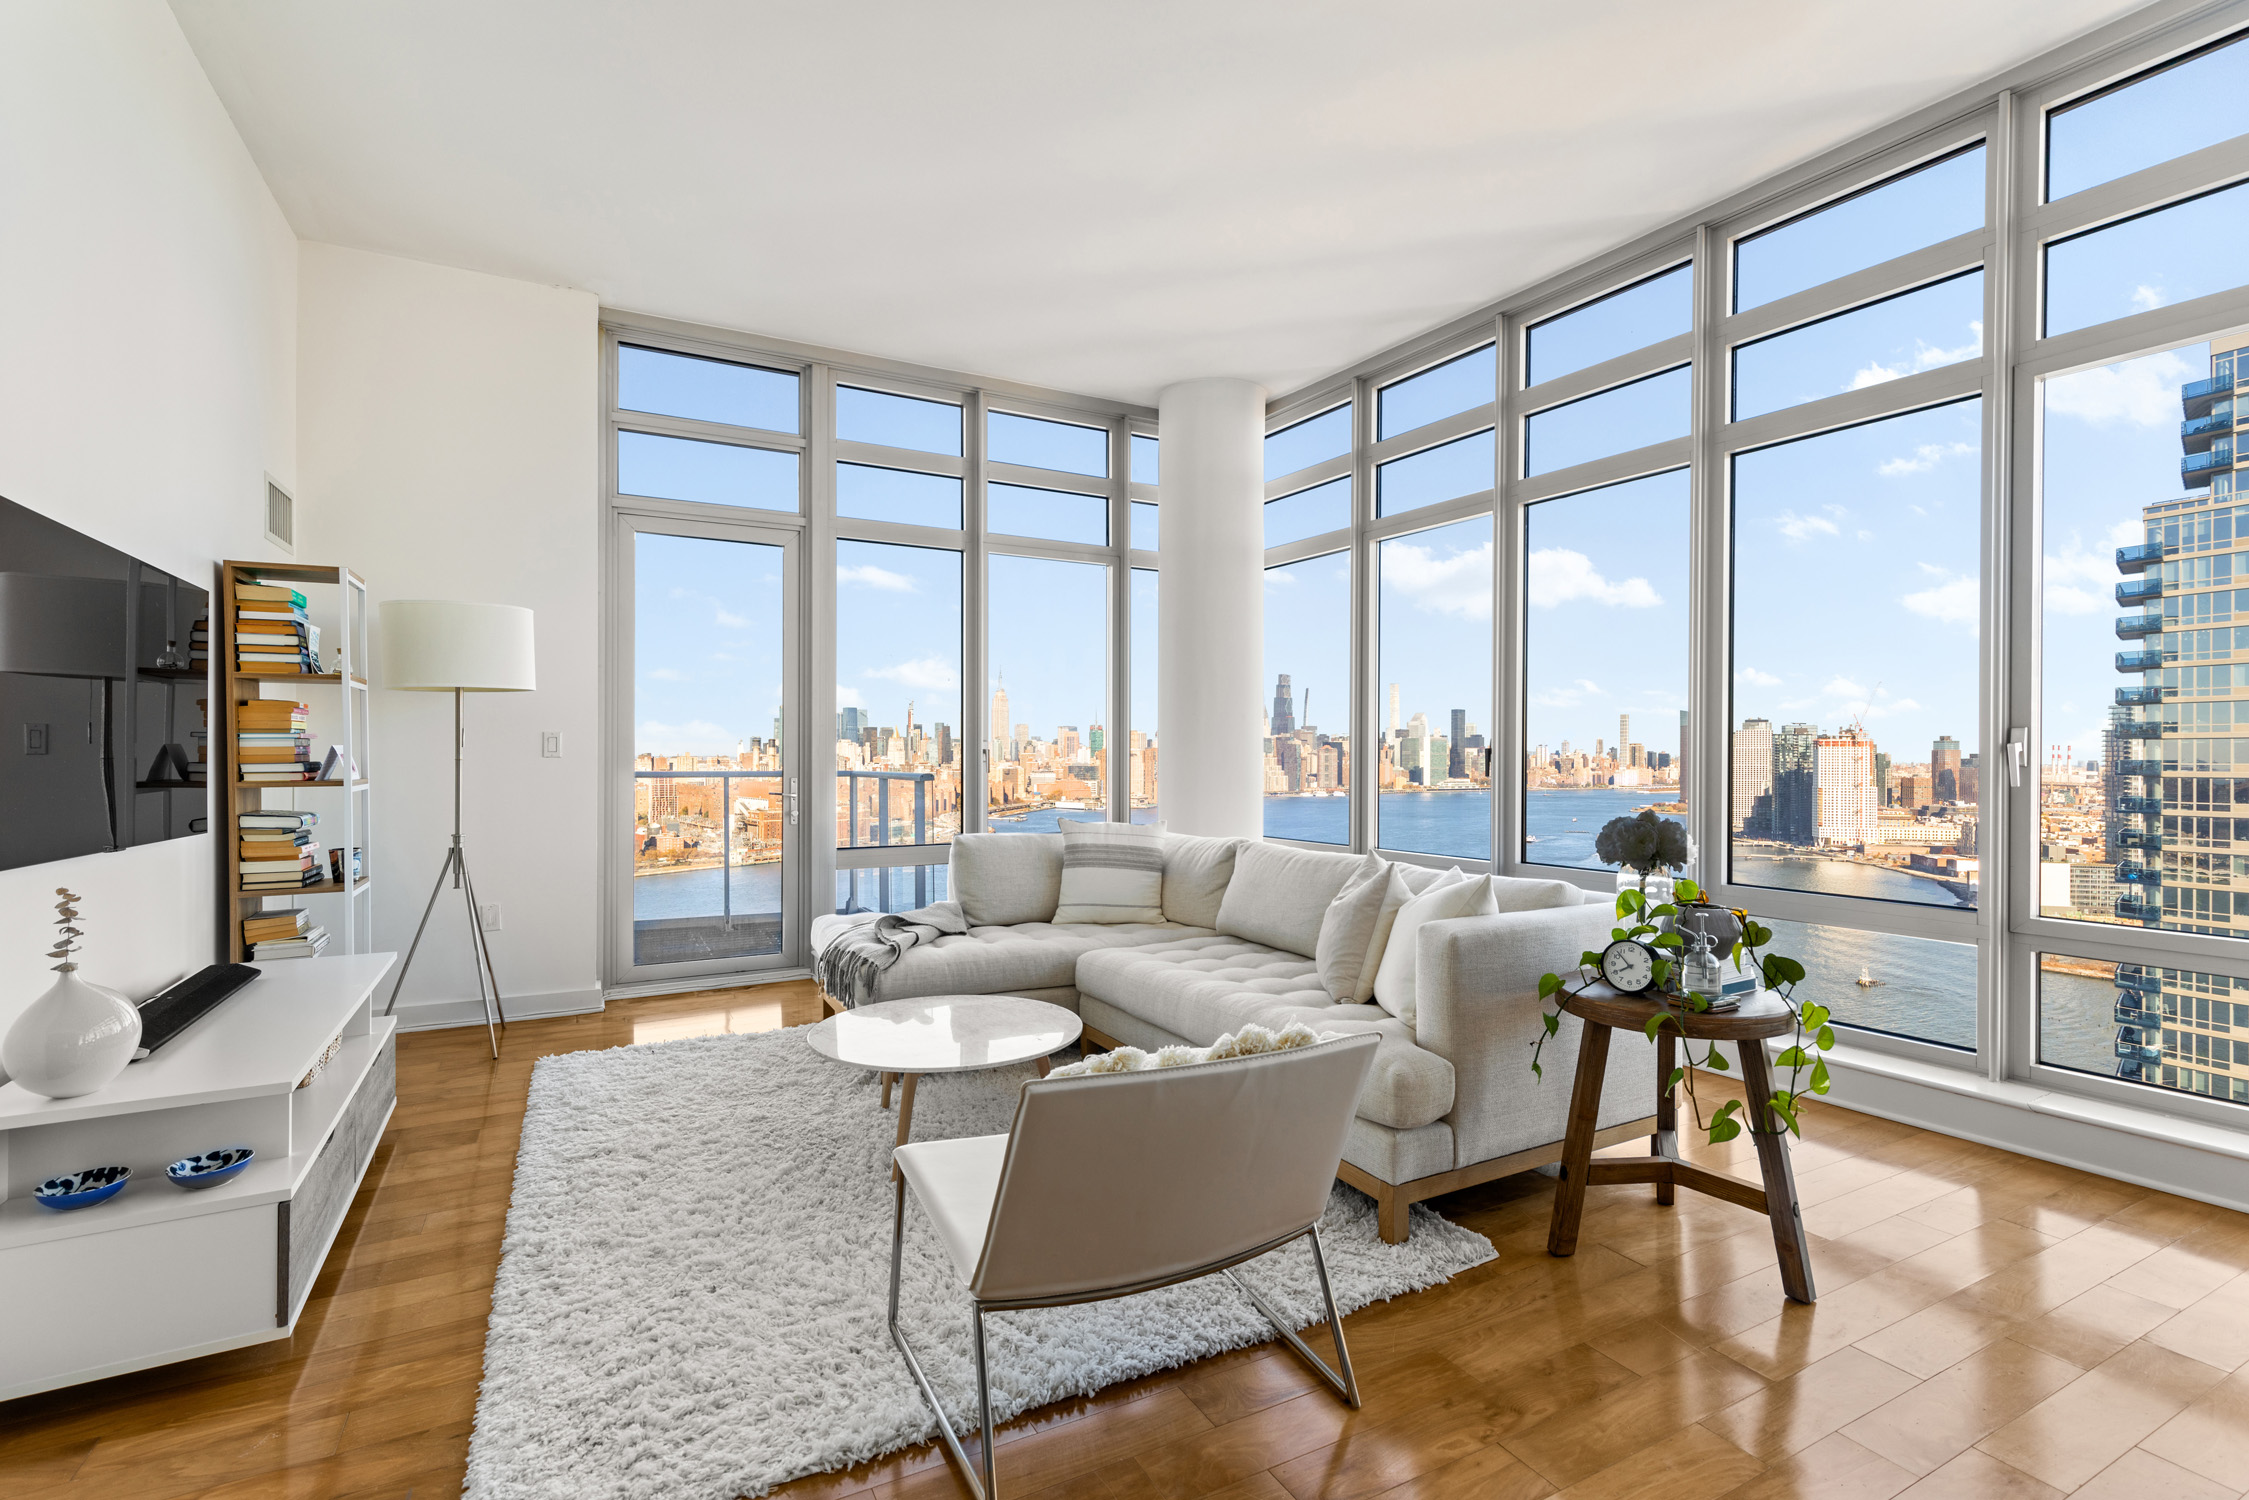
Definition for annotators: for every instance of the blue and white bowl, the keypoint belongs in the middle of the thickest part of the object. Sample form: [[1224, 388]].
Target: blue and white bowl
[[211, 1168], [82, 1189]]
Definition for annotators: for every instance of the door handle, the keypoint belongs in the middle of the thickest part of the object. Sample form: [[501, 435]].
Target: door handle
[[2018, 755], [792, 799]]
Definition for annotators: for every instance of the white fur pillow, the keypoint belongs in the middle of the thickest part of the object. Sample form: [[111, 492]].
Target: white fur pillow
[[1394, 981], [1246, 1042]]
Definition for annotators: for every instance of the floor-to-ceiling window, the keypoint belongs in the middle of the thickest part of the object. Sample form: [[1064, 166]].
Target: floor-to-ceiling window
[[824, 569]]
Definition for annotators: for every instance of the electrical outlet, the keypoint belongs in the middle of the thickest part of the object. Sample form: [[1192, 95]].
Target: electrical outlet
[[489, 915], [550, 743], [35, 739]]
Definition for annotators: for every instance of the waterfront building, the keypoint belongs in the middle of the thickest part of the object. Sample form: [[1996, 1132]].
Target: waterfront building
[[1284, 710], [1843, 790], [1457, 741], [1753, 777], [2173, 823], [1944, 768], [1795, 809]]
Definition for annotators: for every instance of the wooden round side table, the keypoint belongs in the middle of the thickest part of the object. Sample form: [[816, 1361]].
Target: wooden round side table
[[1602, 1010]]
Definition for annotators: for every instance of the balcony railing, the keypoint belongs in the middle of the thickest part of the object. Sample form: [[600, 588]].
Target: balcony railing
[[2146, 768], [2133, 908], [2196, 398], [2136, 978], [2133, 627], [726, 780], [2139, 806], [2139, 838], [2197, 469], [882, 779], [2135, 558], [2132, 697], [2198, 434], [2139, 1052], [2140, 729], [2145, 1020], [2138, 661], [2139, 591], [2131, 872]]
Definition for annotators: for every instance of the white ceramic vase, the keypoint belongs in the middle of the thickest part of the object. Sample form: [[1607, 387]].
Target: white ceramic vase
[[73, 1040]]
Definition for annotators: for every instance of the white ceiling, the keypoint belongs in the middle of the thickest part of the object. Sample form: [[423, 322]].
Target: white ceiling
[[1090, 197]]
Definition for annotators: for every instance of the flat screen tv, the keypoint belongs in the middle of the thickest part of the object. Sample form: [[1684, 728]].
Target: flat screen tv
[[102, 696]]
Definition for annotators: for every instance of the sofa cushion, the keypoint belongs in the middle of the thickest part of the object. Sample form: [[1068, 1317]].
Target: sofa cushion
[[1196, 871], [1010, 960], [1455, 896], [1197, 989], [1511, 894], [1006, 879], [1279, 894], [1354, 932], [1112, 873]]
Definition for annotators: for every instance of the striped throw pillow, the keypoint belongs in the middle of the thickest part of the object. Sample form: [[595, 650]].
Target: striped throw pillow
[[1112, 872]]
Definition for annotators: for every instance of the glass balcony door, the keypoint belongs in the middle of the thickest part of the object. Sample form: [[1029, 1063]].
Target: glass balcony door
[[712, 875]]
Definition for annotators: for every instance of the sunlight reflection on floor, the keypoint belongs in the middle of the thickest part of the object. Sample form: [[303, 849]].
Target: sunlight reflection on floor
[[733, 1021]]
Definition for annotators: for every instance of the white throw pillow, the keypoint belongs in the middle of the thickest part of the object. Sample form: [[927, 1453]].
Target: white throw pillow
[[1347, 934], [1112, 873], [1395, 980]]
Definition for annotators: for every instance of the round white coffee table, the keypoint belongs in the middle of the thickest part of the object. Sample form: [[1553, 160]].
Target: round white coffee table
[[943, 1034]]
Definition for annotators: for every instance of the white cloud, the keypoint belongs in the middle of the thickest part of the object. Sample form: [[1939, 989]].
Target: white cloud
[[725, 617], [848, 697], [1569, 697], [667, 674], [1459, 585], [1949, 603], [1797, 528], [928, 674], [868, 575], [1865, 535], [1925, 357], [1279, 578], [2127, 533], [1884, 708], [2078, 581], [1755, 678], [695, 737], [1843, 687], [2067, 599], [2146, 298], [2136, 393], [1558, 576], [1925, 458]]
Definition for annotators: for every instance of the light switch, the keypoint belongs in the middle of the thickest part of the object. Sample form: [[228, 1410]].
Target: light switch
[[550, 743], [35, 739]]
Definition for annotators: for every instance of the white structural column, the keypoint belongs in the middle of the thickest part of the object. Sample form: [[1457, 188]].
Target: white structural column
[[1210, 637]]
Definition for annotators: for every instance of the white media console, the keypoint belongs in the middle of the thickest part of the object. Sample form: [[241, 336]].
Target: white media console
[[160, 1273]]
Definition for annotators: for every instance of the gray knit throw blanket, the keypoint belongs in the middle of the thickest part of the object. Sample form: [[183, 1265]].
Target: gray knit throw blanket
[[848, 967]]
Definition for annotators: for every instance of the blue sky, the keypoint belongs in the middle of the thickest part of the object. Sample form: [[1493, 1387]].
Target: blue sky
[[1856, 551]]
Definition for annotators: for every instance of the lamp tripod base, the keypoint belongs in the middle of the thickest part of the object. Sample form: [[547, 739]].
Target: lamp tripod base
[[456, 866]]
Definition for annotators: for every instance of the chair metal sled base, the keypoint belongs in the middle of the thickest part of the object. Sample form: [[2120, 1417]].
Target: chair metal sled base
[[980, 1482]]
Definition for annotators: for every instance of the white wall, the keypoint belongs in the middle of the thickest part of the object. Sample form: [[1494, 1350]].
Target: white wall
[[448, 451], [146, 389]]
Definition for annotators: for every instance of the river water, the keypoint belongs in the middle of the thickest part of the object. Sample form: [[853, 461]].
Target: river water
[[1924, 988]]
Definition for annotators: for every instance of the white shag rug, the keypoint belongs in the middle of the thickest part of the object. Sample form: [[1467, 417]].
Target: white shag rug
[[692, 1291]]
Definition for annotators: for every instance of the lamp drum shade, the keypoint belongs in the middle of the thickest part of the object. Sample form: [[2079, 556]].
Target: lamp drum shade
[[446, 645]]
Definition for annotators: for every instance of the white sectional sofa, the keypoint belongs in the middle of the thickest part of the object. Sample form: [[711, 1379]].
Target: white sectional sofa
[[1451, 1101]]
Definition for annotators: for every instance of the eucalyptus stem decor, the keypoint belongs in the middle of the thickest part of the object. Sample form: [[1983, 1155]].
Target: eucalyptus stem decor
[[1639, 921]]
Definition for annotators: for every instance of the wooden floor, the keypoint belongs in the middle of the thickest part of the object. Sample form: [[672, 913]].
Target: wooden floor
[[1989, 1326]]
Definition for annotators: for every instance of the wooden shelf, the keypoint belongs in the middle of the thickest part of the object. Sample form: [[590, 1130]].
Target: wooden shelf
[[175, 674], [324, 888], [290, 786], [243, 678]]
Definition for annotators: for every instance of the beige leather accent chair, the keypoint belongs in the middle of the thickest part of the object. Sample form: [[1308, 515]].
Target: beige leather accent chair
[[1116, 1183]]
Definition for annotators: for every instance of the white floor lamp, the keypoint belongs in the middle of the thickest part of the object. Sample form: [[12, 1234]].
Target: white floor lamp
[[445, 646]]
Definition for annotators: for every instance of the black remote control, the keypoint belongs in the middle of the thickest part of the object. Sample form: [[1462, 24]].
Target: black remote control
[[164, 1016]]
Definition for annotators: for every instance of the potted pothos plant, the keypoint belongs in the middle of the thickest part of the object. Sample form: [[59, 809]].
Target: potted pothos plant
[[1641, 921]]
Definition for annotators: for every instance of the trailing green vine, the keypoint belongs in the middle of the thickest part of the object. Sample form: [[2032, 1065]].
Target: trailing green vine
[[1780, 975]]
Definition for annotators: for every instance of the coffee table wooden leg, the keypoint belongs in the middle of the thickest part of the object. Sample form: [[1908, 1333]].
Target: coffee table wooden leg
[[885, 1077], [1577, 1146], [1771, 1137], [905, 1113], [1046, 1066], [1665, 1142]]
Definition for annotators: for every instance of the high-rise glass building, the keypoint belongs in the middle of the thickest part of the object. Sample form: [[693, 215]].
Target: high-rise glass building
[[1284, 709], [2183, 856], [1753, 778]]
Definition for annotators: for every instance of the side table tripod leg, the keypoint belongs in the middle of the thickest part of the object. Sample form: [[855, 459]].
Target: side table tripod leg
[[1771, 1136], [905, 1113], [1577, 1146], [1664, 1144]]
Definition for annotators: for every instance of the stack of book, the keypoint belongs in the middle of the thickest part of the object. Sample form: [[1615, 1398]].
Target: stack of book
[[283, 934], [199, 642], [278, 852], [271, 743], [199, 772], [272, 637]]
